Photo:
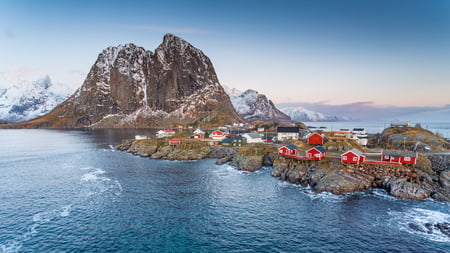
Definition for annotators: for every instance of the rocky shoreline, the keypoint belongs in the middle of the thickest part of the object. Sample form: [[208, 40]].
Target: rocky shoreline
[[429, 178]]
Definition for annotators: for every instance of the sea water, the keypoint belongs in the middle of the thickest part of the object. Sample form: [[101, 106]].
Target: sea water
[[71, 191]]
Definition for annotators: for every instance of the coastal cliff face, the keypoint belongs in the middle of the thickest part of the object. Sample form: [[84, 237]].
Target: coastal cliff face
[[129, 86]]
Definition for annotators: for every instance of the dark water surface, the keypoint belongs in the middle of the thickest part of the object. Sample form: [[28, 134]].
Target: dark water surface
[[70, 191]]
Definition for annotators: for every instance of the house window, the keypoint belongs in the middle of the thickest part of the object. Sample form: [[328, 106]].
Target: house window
[[386, 157], [407, 159], [344, 158], [355, 159]]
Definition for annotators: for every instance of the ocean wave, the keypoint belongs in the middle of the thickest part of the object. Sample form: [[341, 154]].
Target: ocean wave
[[312, 195], [433, 225], [94, 184]]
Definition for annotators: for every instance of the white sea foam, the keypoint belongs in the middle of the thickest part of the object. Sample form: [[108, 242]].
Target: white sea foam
[[66, 211], [381, 193], [95, 176], [421, 222]]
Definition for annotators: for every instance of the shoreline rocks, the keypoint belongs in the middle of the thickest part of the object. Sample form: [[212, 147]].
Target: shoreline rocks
[[429, 178], [400, 181]]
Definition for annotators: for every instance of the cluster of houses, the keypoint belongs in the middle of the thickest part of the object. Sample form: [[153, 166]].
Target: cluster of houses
[[234, 138], [354, 156]]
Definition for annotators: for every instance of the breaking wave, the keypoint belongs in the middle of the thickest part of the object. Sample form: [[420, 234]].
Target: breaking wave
[[433, 225]]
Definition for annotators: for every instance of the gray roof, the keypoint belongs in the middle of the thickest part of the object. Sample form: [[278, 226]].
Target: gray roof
[[291, 147], [397, 153], [319, 148], [356, 151], [253, 135], [288, 129]]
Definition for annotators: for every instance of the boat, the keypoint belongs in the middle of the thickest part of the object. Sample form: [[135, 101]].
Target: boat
[[140, 137], [165, 133]]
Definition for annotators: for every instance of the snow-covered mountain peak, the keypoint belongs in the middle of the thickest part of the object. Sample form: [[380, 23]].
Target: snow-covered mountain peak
[[251, 105], [129, 86]]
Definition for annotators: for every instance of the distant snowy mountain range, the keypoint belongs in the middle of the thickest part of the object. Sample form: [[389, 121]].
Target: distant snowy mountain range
[[250, 105], [25, 95], [299, 113]]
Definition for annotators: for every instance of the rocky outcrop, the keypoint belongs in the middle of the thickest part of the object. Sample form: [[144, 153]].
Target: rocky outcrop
[[129, 86], [401, 188], [411, 138], [253, 157], [338, 182], [248, 162]]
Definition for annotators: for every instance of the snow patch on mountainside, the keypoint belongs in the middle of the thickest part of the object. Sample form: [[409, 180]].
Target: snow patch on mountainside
[[27, 94]]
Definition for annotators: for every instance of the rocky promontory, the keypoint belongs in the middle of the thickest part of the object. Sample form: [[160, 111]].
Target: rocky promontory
[[410, 182]]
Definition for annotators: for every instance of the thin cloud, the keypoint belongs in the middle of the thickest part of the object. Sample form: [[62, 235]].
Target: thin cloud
[[185, 30]]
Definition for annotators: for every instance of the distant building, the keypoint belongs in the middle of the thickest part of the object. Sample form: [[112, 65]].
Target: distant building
[[286, 133], [198, 134], [290, 149], [353, 156], [400, 156], [235, 141], [315, 139], [175, 142], [316, 153], [269, 139], [252, 137], [218, 135]]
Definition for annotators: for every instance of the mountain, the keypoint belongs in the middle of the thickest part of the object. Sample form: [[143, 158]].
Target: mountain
[[129, 86], [23, 98], [299, 113], [250, 105]]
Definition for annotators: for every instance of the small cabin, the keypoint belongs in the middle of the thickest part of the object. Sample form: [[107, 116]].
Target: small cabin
[[290, 149], [399, 156], [286, 133], [175, 142], [235, 141], [353, 156], [218, 135], [315, 139], [316, 153], [198, 136], [252, 137]]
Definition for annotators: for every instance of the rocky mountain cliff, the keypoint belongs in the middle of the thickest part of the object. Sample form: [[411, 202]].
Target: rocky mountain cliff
[[129, 86], [250, 105]]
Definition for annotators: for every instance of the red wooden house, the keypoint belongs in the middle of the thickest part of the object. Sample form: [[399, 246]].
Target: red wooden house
[[353, 156], [316, 153], [315, 139], [198, 136], [218, 135], [175, 142], [399, 156], [290, 149]]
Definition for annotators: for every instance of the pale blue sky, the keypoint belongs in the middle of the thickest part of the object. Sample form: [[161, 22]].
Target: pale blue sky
[[390, 52]]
